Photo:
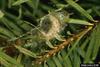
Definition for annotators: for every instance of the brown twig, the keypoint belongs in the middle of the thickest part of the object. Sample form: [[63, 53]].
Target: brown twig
[[61, 46]]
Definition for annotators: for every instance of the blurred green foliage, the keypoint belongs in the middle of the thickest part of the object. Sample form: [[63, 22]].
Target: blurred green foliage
[[22, 43]]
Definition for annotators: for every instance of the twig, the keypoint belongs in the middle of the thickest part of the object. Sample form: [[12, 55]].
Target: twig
[[61, 46]]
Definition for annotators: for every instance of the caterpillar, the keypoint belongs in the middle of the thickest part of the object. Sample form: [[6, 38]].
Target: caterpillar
[[49, 27]]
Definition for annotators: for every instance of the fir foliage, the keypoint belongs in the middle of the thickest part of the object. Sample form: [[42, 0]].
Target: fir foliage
[[49, 33]]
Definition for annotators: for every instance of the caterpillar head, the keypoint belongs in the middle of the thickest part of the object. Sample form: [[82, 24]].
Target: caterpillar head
[[62, 16]]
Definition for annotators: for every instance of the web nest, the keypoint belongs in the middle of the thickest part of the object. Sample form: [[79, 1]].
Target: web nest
[[50, 26]]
